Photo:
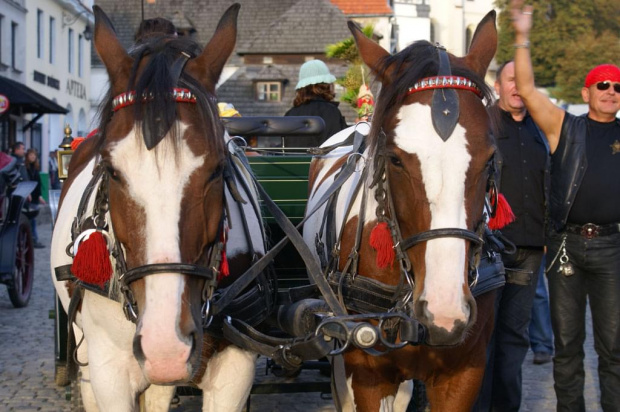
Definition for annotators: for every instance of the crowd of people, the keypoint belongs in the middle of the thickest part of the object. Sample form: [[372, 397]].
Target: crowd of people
[[556, 170]]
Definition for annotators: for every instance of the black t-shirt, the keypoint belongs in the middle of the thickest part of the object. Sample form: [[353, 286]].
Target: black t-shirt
[[524, 159], [598, 198]]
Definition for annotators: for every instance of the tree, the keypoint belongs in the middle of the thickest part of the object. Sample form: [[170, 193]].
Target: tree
[[590, 51], [561, 27], [357, 73]]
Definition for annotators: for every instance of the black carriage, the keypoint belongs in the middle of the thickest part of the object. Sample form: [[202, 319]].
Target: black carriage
[[16, 244]]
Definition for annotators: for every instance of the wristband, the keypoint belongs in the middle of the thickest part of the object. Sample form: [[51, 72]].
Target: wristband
[[524, 45]]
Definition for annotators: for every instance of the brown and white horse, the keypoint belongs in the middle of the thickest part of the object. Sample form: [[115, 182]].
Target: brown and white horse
[[161, 159], [423, 175]]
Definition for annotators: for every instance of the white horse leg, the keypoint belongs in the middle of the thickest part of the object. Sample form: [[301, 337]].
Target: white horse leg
[[157, 398], [115, 376], [403, 396], [228, 380]]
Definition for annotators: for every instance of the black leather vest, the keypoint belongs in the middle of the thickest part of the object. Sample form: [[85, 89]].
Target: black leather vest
[[568, 166]]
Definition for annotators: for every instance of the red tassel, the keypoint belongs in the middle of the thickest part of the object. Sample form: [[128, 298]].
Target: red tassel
[[92, 263], [381, 241], [503, 214], [224, 268], [76, 142]]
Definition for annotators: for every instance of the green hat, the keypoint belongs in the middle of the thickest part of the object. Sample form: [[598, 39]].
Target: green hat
[[313, 72]]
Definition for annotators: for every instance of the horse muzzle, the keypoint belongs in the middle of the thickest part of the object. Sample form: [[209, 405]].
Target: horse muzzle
[[166, 363], [444, 329]]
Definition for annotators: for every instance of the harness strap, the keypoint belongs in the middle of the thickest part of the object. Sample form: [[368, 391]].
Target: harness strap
[[72, 362], [292, 232], [363, 294], [438, 233], [289, 353], [185, 268]]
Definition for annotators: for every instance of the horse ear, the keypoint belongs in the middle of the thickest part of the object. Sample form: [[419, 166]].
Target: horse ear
[[211, 61], [483, 45], [372, 54], [110, 50]]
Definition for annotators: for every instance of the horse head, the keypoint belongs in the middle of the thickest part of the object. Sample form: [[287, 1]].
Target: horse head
[[430, 148], [163, 154]]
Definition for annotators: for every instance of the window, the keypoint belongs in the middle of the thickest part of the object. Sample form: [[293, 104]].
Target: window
[[268, 91], [14, 45], [80, 55], [70, 53], [52, 40], [39, 34]]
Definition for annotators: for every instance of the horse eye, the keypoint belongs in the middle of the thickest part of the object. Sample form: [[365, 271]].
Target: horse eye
[[111, 171], [395, 161]]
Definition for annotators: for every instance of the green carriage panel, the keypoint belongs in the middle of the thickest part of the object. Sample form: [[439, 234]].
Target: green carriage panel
[[285, 178]]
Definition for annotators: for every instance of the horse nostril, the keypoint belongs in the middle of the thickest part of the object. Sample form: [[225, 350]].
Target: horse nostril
[[137, 349]]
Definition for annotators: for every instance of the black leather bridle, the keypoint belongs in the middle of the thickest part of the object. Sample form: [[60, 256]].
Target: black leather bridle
[[445, 115]]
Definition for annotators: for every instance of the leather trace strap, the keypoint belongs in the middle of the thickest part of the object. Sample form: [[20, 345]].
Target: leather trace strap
[[292, 232]]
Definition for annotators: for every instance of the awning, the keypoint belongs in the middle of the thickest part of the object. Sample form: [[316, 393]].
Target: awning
[[23, 99]]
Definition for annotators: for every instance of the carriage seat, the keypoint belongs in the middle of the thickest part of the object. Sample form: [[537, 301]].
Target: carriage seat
[[286, 128]]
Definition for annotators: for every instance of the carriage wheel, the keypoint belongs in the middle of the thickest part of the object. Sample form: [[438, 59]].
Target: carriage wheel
[[23, 272]]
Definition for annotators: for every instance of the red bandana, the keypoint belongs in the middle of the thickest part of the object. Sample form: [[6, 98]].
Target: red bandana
[[602, 73]]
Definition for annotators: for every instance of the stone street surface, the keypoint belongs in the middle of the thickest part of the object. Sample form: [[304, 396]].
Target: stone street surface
[[27, 362]]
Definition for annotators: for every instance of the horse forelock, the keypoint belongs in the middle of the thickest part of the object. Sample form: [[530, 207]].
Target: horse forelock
[[151, 75]]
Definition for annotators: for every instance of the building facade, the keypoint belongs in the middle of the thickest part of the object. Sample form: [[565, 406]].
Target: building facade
[[45, 57]]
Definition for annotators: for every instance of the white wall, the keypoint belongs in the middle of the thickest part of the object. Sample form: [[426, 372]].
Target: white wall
[[73, 88]]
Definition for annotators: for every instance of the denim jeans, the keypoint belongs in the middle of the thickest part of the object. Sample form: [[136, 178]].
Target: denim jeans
[[33, 228], [501, 386], [596, 264], [541, 335]]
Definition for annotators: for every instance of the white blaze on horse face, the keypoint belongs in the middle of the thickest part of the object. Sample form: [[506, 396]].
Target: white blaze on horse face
[[156, 182], [443, 166]]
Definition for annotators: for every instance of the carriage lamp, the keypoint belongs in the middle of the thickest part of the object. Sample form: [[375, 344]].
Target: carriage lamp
[[64, 154]]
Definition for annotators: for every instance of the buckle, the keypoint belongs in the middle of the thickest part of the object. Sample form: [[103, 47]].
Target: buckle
[[589, 231]]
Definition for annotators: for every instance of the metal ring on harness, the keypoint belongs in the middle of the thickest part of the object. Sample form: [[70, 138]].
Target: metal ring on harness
[[207, 316], [86, 234], [361, 156]]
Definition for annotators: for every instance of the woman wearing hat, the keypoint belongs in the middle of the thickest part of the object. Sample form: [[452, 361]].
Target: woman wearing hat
[[315, 97]]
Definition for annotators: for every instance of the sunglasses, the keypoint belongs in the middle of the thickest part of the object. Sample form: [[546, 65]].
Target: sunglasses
[[605, 85]]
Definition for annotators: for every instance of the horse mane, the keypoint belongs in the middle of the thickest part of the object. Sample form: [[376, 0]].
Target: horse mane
[[415, 62], [159, 113]]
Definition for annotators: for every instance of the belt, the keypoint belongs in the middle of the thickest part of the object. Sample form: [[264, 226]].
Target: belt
[[590, 230]]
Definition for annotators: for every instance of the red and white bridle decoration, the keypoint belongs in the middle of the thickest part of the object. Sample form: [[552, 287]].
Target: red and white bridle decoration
[[128, 98], [445, 82]]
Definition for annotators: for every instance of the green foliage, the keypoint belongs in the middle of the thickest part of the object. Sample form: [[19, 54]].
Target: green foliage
[[352, 80], [563, 40], [589, 51]]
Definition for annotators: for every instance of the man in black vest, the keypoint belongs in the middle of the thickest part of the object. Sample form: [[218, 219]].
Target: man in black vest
[[523, 162], [584, 211]]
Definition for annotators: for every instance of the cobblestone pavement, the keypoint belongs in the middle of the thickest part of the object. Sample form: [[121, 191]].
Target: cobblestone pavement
[[27, 362]]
